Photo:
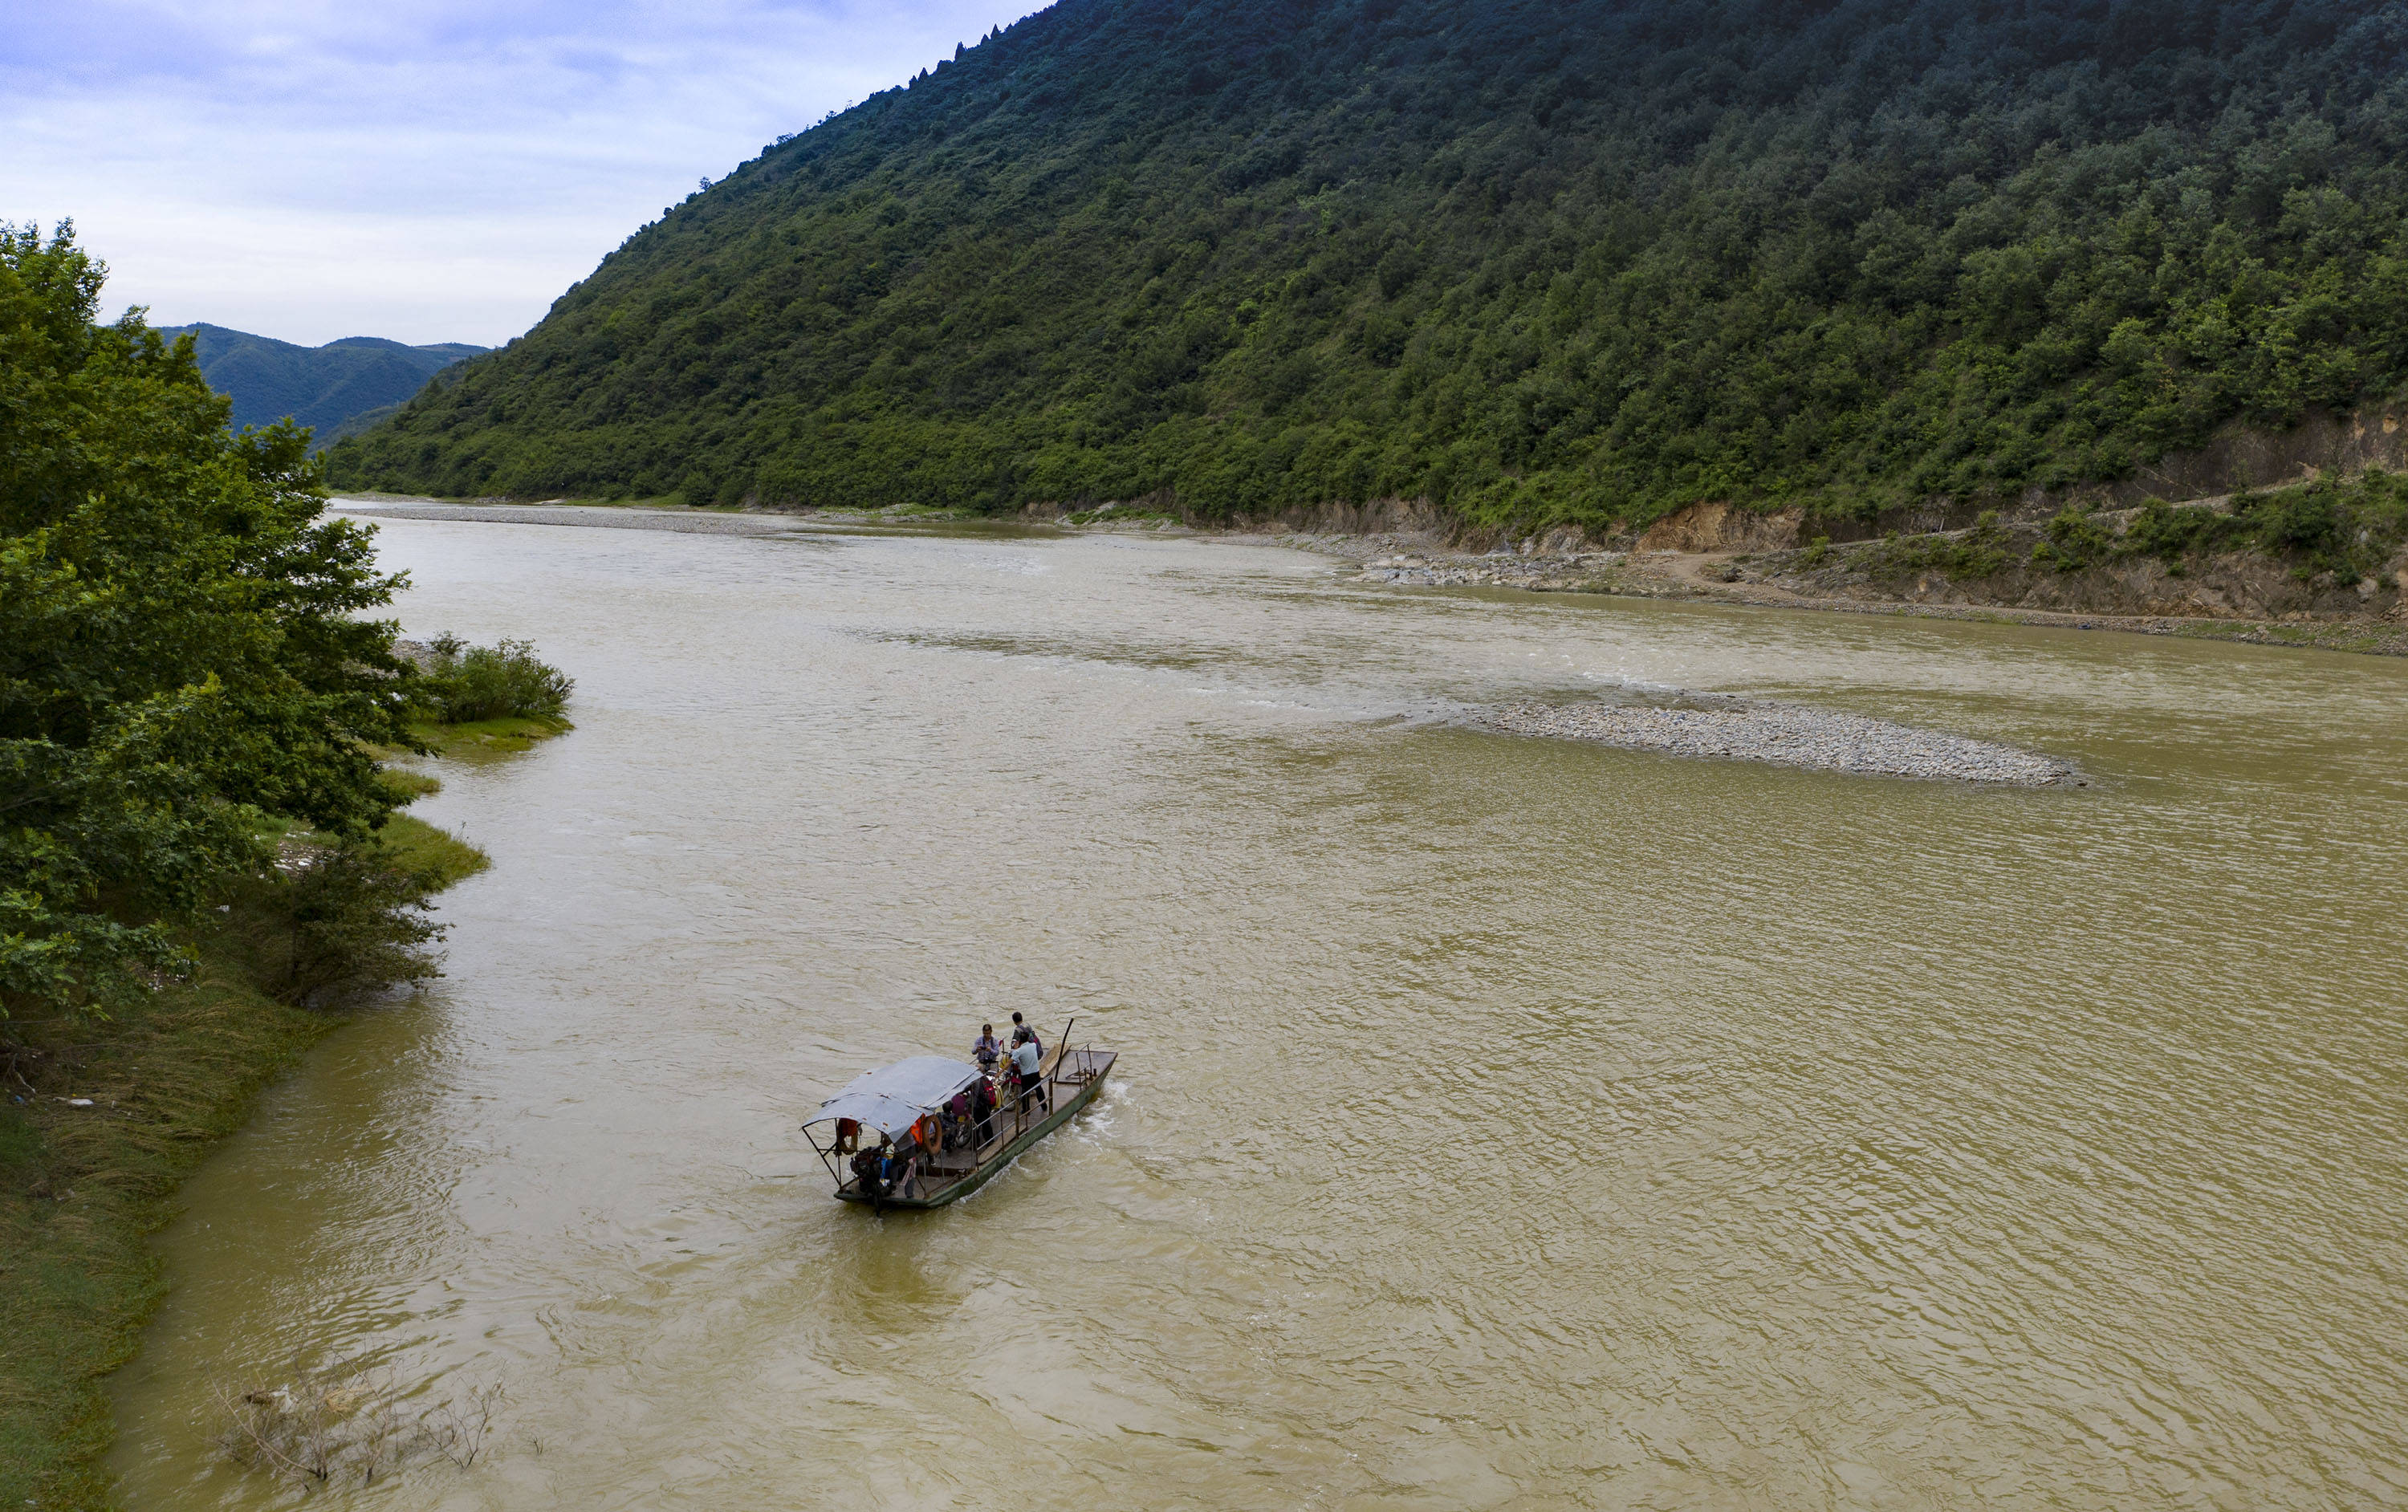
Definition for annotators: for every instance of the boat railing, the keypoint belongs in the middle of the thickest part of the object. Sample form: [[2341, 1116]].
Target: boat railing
[[1070, 1069], [1062, 1074]]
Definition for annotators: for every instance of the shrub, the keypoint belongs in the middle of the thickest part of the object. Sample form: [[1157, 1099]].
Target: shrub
[[335, 923], [2074, 541], [2350, 529], [2308, 523], [2166, 532], [1978, 553], [347, 1423], [461, 683]]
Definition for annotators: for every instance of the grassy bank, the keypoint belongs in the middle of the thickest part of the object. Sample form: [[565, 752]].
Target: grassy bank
[[502, 736], [198, 837], [100, 1121]]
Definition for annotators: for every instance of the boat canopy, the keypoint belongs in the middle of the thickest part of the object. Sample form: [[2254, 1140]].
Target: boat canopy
[[891, 1098]]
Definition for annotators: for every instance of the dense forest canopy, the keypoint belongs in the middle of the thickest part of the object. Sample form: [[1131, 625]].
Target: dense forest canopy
[[1535, 260]]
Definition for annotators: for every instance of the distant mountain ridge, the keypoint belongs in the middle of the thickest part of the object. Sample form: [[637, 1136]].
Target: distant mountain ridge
[[1533, 261], [336, 389]]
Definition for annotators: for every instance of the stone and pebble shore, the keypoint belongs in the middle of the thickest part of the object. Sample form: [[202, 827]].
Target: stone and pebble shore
[[1785, 735], [1553, 572], [1418, 561]]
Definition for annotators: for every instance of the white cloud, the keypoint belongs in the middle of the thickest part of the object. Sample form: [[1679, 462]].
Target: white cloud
[[417, 169]]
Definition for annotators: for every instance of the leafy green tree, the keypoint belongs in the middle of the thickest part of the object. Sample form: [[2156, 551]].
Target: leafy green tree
[[181, 647]]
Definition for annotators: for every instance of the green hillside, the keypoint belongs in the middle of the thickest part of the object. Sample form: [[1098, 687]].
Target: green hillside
[[1536, 260], [327, 388]]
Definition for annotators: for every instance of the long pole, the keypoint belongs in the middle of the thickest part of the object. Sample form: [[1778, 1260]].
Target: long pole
[[1062, 1045]]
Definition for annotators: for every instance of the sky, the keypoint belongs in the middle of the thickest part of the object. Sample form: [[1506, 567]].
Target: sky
[[426, 170]]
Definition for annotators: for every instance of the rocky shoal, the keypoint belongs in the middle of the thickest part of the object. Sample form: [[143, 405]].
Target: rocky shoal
[[1786, 735]]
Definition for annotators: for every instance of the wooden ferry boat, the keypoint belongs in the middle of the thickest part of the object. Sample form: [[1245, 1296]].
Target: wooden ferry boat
[[900, 1112]]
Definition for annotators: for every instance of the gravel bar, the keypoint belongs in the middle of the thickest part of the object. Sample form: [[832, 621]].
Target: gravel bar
[[1786, 735], [596, 517]]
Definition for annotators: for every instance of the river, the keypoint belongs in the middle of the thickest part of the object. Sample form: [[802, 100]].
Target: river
[[1499, 1122]]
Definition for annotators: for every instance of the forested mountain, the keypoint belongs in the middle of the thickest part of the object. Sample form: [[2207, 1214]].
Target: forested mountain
[[321, 387], [1536, 259]]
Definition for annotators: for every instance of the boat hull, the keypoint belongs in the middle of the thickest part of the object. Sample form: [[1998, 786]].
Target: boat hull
[[1070, 1099]]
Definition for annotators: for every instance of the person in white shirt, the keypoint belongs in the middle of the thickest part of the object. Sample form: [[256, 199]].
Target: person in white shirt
[[1026, 1060]]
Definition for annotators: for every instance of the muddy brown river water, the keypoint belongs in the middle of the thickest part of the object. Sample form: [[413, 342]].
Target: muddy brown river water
[[1501, 1122]]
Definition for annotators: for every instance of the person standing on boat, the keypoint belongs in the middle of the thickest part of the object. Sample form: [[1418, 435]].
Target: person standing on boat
[[983, 1106], [1018, 1028], [1025, 1063], [988, 1049]]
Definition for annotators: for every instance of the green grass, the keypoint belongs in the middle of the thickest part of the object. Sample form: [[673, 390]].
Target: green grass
[[412, 785], [80, 1188], [415, 844], [490, 737]]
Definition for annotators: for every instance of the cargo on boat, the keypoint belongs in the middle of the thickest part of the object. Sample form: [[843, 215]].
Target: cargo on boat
[[929, 1131]]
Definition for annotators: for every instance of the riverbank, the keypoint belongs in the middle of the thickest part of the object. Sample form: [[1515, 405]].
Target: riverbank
[[100, 1124], [91, 1155], [1408, 550], [1788, 581]]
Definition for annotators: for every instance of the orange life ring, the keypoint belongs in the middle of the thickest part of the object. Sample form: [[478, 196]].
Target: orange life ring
[[930, 1133]]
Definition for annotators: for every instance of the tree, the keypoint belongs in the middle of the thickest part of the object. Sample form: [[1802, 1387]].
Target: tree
[[182, 650]]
